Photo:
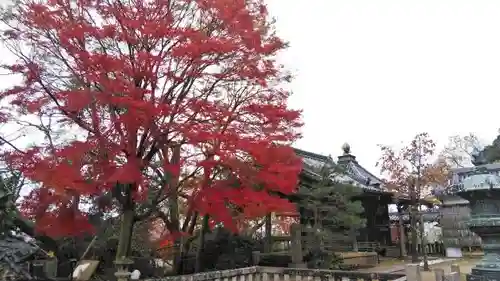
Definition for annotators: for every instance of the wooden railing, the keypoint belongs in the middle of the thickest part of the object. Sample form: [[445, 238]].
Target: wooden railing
[[282, 243], [435, 249], [308, 240], [368, 246], [258, 273]]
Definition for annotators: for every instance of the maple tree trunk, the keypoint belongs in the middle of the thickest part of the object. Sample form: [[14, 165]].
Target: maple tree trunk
[[414, 234], [174, 219], [268, 234], [402, 236], [413, 223], [126, 230], [423, 240], [125, 238], [188, 227], [201, 244], [175, 226], [173, 198]]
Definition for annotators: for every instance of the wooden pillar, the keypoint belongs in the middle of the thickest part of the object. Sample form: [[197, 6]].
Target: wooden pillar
[[386, 220], [367, 216], [370, 214], [354, 242]]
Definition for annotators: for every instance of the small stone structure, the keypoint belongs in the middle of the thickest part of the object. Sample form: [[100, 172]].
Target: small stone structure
[[413, 273], [455, 213]]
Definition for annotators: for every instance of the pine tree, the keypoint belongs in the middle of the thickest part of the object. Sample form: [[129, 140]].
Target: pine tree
[[328, 208]]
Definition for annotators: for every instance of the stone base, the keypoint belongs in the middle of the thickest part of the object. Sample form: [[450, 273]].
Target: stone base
[[297, 265], [484, 275], [359, 259]]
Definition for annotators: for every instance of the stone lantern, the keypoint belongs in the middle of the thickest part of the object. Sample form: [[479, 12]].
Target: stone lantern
[[481, 187], [454, 217]]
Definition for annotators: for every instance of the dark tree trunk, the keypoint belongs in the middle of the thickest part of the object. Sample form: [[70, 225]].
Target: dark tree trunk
[[180, 257], [268, 234], [123, 260], [401, 229], [201, 244], [414, 233]]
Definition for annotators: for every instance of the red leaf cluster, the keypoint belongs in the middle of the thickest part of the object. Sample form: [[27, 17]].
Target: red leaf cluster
[[135, 79], [56, 215]]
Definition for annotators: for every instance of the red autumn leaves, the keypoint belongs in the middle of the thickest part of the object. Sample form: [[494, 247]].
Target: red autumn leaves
[[126, 83]]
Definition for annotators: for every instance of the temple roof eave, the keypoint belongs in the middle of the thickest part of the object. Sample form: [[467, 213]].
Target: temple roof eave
[[489, 167], [313, 163], [347, 179], [363, 174]]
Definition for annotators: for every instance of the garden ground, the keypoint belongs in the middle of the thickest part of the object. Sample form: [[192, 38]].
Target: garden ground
[[466, 265]]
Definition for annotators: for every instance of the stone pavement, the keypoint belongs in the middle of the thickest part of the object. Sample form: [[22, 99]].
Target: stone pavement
[[465, 265], [465, 268]]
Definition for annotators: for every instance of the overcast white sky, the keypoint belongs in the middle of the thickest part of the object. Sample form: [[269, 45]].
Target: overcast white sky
[[377, 72]]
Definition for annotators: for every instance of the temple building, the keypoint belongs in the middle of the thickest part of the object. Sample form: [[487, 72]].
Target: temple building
[[375, 198]]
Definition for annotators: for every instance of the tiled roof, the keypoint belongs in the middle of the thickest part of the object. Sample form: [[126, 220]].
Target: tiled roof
[[314, 162], [356, 174], [16, 249], [452, 200], [480, 177], [362, 175], [489, 167]]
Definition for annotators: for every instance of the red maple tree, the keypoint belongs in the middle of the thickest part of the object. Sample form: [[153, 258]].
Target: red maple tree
[[137, 98]]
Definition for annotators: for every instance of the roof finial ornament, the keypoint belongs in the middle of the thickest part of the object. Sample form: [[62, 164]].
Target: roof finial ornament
[[346, 148], [478, 157]]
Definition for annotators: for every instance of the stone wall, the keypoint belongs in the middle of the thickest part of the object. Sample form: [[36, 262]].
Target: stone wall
[[259, 273]]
